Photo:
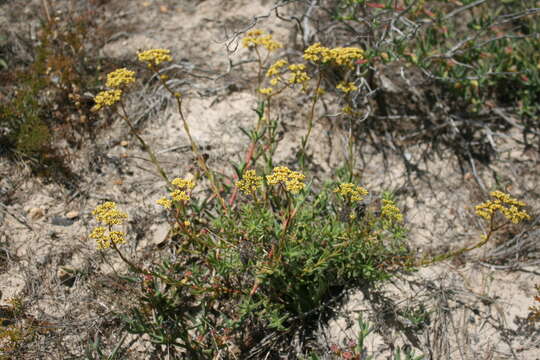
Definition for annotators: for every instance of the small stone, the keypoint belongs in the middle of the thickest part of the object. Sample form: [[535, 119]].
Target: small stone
[[72, 215], [161, 233], [36, 213], [124, 143], [61, 221]]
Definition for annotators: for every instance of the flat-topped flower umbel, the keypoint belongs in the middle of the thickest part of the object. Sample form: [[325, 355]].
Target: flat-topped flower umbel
[[291, 179], [511, 208], [108, 215], [155, 56]]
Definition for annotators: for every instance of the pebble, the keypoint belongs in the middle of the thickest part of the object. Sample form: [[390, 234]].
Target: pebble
[[72, 215], [61, 221], [36, 213]]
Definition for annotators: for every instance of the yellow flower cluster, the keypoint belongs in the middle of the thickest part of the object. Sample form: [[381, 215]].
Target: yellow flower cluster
[[391, 212], [346, 56], [108, 214], [298, 74], [275, 69], [346, 87], [183, 183], [511, 208], [341, 56], [347, 110], [155, 56], [120, 78], [179, 193], [166, 203], [258, 37], [267, 91], [116, 80], [274, 72], [250, 182], [105, 239], [351, 191], [291, 179], [106, 98], [317, 53]]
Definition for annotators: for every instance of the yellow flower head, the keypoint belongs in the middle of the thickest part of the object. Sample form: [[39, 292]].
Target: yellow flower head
[[107, 98], [155, 56], [250, 182], [351, 192], [105, 239], [120, 78], [107, 214], [98, 232], [348, 110], [275, 69], [298, 74], [511, 208], [183, 183], [391, 212], [346, 56], [257, 37], [179, 193], [291, 179], [317, 53], [117, 237], [346, 87], [166, 203], [266, 91], [340, 56]]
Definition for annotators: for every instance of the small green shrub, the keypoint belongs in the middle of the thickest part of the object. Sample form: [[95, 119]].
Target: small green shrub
[[266, 254], [269, 257], [48, 101], [479, 52], [271, 263], [15, 330]]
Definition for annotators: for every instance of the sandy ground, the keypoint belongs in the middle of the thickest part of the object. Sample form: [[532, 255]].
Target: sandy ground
[[478, 310]]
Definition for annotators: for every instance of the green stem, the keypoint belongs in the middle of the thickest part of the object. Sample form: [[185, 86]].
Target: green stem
[[350, 145], [145, 146], [194, 148], [310, 121], [452, 254]]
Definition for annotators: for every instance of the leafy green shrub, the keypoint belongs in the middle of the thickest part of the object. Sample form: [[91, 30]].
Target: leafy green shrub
[[266, 254], [266, 260], [465, 65], [49, 101], [271, 263], [15, 330]]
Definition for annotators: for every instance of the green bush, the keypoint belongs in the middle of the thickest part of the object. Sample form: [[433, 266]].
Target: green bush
[[264, 254], [48, 101]]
